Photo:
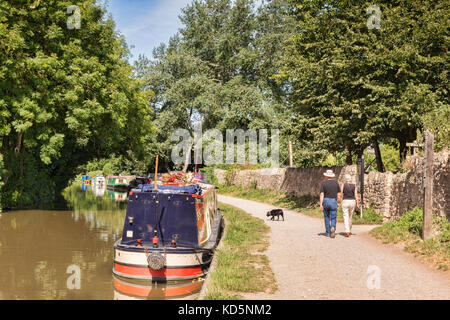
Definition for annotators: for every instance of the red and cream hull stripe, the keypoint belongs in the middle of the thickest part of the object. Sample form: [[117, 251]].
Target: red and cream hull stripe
[[178, 266]]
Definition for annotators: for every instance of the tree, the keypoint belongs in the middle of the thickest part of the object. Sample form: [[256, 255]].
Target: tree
[[216, 71], [66, 96], [351, 86]]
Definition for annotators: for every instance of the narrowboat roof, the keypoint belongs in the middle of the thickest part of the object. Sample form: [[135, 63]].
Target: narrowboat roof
[[198, 189]]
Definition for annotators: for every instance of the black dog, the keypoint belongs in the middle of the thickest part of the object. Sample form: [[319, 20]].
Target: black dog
[[275, 213]]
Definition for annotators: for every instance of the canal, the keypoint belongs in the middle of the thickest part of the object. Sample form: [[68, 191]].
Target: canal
[[69, 254]]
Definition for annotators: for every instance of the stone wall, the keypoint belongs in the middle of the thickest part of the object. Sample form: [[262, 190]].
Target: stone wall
[[389, 194]]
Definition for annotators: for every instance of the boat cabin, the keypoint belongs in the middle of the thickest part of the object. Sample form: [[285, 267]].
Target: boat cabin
[[183, 214]]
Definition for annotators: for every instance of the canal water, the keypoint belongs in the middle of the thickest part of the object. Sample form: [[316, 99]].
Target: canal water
[[69, 254]]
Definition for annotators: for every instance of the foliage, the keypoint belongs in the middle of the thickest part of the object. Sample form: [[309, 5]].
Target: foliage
[[216, 72], [66, 96], [390, 156], [350, 85], [408, 226], [411, 221], [408, 229], [437, 122], [210, 176]]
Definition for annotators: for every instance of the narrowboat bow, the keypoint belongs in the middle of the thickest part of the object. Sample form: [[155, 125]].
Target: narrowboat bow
[[169, 233]]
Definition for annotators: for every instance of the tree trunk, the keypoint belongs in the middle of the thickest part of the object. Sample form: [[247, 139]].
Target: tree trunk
[[402, 149], [380, 166], [348, 157], [19, 143]]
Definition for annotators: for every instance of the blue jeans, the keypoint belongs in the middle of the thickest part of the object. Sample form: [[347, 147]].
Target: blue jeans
[[330, 213]]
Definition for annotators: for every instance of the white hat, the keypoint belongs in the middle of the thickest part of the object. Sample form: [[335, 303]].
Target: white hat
[[329, 173]]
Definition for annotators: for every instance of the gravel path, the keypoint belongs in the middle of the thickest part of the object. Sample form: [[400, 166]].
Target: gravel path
[[308, 265]]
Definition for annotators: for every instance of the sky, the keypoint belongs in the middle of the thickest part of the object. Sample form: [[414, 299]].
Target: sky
[[146, 23]]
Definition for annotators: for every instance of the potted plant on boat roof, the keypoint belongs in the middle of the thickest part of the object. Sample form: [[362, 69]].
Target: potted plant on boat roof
[[179, 178]]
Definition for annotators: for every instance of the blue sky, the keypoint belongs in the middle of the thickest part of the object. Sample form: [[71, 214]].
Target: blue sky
[[146, 23]]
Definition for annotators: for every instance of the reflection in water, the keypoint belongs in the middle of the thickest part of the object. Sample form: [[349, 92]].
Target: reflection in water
[[38, 250], [117, 195], [127, 289], [99, 190], [36, 253]]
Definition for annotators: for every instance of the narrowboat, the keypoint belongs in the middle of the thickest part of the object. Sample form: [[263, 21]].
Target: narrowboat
[[136, 181], [86, 180], [117, 183], [169, 233], [99, 180]]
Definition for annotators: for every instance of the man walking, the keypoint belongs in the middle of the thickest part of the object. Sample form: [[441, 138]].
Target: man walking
[[330, 196]]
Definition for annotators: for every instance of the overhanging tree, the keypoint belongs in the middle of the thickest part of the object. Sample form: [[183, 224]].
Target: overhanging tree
[[66, 96]]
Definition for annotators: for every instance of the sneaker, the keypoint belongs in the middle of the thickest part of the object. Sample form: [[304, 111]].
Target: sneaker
[[332, 233], [347, 234]]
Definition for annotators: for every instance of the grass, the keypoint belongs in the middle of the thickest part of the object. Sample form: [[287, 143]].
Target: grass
[[241, 265], [407, 230], [306, 204]]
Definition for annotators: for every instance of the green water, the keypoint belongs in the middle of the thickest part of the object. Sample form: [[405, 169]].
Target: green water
[[69, 254]]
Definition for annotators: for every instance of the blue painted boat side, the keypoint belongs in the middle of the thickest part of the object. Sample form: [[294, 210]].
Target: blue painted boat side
[[175, 215]]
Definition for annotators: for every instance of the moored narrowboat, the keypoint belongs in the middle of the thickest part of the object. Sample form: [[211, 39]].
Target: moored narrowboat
[[169, 233], [86, 180], [99, 180], [117, 183]]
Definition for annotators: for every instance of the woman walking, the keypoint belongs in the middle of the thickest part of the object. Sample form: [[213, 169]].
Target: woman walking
[[350, 200]]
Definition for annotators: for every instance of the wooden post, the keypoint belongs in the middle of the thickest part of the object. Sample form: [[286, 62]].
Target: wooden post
[[156, 173], [361, 191], [291, 162], [428, 186]]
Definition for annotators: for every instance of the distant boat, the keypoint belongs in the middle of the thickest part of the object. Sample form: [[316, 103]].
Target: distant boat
[[117, 183], [99, 180], [86, 180]]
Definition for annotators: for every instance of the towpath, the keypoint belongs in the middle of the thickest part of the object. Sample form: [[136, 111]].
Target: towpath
[[308, 265]]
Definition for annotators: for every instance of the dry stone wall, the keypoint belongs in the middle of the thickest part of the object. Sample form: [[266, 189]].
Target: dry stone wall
[[389, 194]]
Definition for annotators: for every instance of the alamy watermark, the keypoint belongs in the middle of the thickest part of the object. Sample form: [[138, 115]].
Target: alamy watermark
[[74, 21], [74, 280], [374, 277], [374, 21], [210, 148]]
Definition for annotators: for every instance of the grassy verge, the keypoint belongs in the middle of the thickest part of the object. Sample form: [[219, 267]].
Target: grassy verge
[[407, 230], [241, 265], [306, 204]]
